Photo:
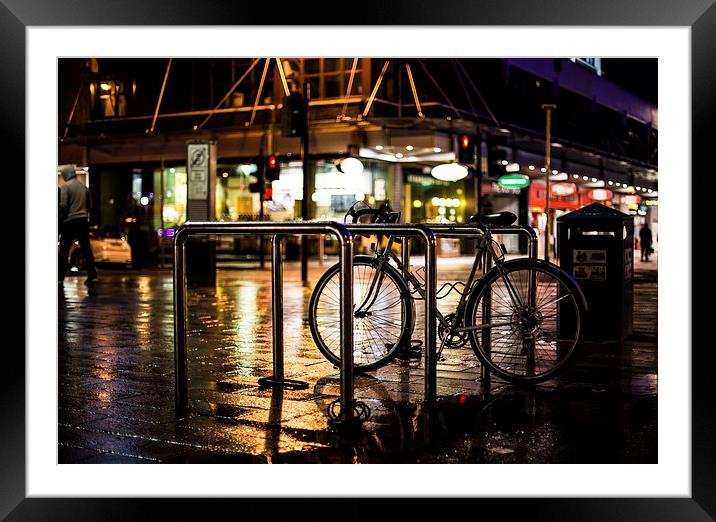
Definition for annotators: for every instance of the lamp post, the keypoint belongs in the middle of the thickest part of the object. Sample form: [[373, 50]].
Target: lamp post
[[549, 107]]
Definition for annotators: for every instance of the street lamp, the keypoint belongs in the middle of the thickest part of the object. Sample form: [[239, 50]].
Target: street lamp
[[549, 107]]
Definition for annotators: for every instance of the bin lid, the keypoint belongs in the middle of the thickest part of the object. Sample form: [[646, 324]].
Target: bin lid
[[595, 211]]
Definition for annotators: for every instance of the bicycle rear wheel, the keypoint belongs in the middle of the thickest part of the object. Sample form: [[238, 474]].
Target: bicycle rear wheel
[[522, 336], [378, 330]]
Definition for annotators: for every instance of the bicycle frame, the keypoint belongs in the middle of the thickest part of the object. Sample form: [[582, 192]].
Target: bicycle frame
[[486, 247]]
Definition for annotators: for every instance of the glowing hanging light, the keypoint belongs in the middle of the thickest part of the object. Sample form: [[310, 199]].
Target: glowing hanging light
[[449, 172], [352, 166]]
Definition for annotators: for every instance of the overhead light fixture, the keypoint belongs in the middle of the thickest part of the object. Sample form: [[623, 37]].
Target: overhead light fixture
[[350, 166], [379, 147], [531, 167], [449, 172], [409, 147], [399, 155], [437, 149]]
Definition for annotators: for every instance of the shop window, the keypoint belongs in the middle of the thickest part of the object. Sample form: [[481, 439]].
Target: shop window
[[173, 203]]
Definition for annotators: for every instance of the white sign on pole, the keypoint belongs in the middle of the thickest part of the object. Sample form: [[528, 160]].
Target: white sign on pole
[[198, 170]]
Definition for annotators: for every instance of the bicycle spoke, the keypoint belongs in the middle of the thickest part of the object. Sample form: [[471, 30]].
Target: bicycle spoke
[[524, 342]]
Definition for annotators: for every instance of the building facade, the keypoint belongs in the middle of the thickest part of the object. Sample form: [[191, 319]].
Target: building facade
[[129, 121]]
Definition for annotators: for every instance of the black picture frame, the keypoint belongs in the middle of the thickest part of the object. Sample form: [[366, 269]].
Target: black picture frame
[[699, 15]]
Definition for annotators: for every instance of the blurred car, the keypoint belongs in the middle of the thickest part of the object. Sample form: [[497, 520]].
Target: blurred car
[[107, 247]]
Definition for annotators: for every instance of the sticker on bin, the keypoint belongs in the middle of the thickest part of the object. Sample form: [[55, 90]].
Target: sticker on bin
[[590, 256], [590, 272]]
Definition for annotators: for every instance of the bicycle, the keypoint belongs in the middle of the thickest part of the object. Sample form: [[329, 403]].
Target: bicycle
[[522, 318]]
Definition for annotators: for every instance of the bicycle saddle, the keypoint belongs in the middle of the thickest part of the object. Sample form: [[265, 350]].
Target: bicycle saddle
[[501, 219]]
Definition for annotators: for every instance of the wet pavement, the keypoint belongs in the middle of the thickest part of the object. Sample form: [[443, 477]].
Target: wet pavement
[[116, 385]]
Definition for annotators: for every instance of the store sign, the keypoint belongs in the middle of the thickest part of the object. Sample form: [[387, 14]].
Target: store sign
[[499, 189], [562, 189], [601, 194], [514, 181], [630, 200], [427, 181]]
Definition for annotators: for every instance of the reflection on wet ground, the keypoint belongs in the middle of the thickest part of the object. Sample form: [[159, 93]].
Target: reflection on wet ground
[[116, 386]]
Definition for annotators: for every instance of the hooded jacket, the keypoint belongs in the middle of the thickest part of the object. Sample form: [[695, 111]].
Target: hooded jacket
[[74, 197]]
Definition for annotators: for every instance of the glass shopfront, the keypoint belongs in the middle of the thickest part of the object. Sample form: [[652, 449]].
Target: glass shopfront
[[334, 191], [430, 200]]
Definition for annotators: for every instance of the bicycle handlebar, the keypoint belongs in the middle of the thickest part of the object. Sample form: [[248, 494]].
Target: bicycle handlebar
[[380, 215]]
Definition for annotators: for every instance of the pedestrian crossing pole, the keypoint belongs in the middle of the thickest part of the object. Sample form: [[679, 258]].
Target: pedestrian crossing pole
[[548, 107]]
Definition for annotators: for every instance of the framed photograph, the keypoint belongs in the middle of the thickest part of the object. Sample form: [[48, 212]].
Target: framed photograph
[[37, 35]]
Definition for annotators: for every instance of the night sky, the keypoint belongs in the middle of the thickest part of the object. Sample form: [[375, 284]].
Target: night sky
[[637, 75]]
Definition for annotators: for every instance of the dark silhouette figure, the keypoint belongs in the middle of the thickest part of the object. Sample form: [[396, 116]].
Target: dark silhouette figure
[[75, 207], [645, 242]]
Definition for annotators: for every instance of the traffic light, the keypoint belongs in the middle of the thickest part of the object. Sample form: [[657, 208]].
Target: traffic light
[[467, 149], [496, 155], [272, 167], [294, 116]]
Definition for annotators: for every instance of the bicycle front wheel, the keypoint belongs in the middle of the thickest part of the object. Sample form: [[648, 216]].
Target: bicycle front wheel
[[526, 320], [380, 326]]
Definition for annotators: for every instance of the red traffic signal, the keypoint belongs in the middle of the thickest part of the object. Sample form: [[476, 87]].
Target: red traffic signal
[[466, 150], [273, 168]]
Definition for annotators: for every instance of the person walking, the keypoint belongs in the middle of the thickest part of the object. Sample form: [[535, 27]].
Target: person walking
[[75, 204], [645, 242]]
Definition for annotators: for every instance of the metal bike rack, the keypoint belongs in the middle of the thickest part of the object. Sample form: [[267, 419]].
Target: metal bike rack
[[424, 232], [277, 230], [455, 231]]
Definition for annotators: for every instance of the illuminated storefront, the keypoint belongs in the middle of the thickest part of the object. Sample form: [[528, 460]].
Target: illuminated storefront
[[430, 200]]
